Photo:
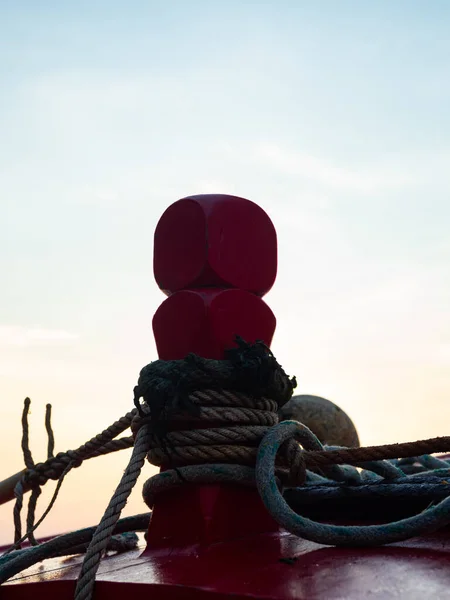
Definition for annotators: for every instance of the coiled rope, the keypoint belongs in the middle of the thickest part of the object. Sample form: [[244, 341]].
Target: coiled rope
[[338, 535], [64, 545]]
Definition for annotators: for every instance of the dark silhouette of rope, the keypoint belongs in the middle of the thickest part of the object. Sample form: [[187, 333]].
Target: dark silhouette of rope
[[356, 456], [104, 531], [63, 545], [57, 467]]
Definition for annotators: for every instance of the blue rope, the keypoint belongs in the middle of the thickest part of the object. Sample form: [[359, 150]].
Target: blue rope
[[17, 561], [384, 468], [333, 491], [429, 520]]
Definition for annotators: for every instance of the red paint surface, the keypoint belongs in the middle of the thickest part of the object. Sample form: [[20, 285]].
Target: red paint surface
[[206, 322], [215, 240], [206, 514], [251, 568]]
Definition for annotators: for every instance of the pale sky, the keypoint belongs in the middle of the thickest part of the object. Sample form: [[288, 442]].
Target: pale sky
[[333, 116]]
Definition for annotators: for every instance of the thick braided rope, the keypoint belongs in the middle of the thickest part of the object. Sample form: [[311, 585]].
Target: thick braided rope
[[217, 473], [104, 531], [167, 387], [27, 456], [102, 443], [356, 456], [48, 428], [242, 421], [200, 455], [31, 526], [233, 445], [36, 491], [370, 535], [56, 467], [11, 564], [19, 490]]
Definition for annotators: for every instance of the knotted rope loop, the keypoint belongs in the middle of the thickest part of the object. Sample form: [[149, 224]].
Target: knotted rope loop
[[295, 458], [52, 468], [102, 443], [296, 446]]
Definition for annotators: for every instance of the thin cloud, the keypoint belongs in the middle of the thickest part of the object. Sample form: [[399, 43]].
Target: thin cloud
[[319, 170], [23, 337]]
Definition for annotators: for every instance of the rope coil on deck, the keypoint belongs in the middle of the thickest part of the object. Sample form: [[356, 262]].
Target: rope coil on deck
[[241, 423]]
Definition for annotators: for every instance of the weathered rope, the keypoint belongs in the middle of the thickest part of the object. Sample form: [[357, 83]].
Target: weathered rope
[[18, 494], [371, 535], [234, 441], [50, 435], [118, 543], [27, 456], [216, 473], [29, 463], [31, 526], [104, 531], [57, 467], [431, 488], [123, 542], [208, 411], [54, 466], [357, 456], [36, 491], [31, 515], [167, 386], [63, 545]]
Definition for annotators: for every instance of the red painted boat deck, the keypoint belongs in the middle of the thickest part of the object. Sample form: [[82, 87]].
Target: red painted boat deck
[[267, 566]]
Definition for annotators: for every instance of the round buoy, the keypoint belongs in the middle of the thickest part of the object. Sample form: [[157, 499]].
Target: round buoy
[[326, 420]]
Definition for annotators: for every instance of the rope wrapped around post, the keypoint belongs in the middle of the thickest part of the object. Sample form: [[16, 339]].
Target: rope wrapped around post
[[207, 417], [249, 386], [302, 457]]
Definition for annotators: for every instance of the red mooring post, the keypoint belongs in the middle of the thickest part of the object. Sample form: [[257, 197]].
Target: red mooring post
[[215, 257]]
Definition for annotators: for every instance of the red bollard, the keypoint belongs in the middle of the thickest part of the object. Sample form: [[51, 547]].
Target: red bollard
[[215, 257]]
